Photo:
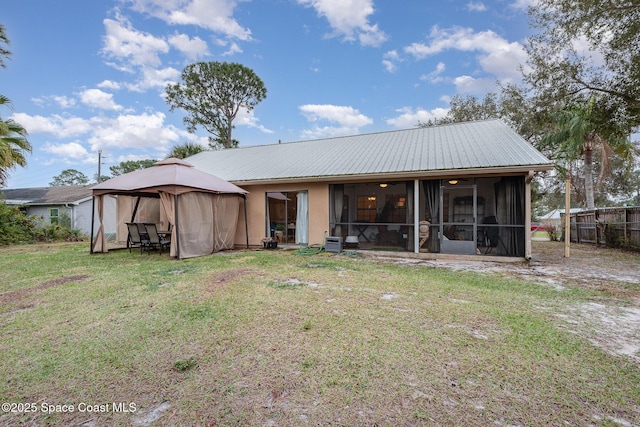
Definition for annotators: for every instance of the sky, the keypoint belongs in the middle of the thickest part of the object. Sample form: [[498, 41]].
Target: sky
[[89, 76]]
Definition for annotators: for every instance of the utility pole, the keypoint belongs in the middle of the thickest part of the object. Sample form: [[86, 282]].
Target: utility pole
[[99, 163]]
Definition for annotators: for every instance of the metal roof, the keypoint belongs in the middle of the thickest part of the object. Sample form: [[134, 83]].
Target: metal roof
[[72, 194], [171, 175], [454, 147]]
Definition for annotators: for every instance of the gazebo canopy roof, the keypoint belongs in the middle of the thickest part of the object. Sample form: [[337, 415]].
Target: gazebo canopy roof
[[172, 176]]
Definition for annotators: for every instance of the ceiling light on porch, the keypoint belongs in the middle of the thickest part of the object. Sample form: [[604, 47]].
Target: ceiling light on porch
[[383, 185], [453, 181]]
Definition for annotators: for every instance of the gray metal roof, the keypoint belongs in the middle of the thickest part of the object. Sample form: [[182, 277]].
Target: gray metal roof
[[71, 194], [471, 145]]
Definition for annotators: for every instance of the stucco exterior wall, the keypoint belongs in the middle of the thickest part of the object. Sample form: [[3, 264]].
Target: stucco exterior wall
[[256, 211]]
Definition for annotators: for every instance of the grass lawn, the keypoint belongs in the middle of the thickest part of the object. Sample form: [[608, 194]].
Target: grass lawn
[[275, 338]]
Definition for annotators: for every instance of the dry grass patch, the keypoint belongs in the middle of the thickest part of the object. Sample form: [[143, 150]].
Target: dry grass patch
[[273, 338]]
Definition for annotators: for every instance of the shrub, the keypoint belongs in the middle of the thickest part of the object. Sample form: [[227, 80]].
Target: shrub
[[552, 231], [15, 226]]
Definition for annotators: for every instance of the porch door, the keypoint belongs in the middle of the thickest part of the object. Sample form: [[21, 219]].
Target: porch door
[[287, 216], [458, 218]]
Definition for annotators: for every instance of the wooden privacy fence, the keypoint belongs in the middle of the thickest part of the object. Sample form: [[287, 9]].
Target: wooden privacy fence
[[618, 227]]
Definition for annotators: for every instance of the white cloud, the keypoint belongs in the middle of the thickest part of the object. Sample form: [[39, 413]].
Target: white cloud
[[98, 99], [522, 4], [390, 66], [390, 60], [59, 126], [372, 36], [409, 118], [108, 84], [434, 76], [468, 84], [344, 120], [233, 48], [214, 15], [476, 6], [123, 43], [495, 54], [154, 78], [131, 131], [61, 101], [192, 48], [71, 150], [125, 131], [246, 118], [349, 19], [64, 101]]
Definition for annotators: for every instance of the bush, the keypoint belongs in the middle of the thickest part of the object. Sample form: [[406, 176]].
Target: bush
[[552, 231], [15, 226]]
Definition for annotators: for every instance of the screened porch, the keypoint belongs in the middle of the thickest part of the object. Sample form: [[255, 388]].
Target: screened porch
[[466, 216]]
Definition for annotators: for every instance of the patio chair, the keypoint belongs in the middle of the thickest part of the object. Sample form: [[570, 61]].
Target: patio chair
[[135, 239], [492, 235], [142, 230], [155, 241]]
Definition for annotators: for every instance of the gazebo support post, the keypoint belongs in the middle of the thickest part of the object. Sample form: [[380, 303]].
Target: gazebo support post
[[175, 226], [93, 216], [135, 209]]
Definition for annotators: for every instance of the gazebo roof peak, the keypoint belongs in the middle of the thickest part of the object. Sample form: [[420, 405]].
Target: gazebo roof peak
[[173, 161]]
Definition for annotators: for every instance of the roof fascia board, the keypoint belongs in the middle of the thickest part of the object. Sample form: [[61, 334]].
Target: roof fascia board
[[479, 172]]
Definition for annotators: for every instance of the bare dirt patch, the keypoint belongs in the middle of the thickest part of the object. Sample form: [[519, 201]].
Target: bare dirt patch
[[13, 296], [611, 321], [223, 278]]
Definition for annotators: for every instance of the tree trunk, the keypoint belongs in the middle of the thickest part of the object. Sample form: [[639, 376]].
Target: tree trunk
[[588, 178], [228, 143]]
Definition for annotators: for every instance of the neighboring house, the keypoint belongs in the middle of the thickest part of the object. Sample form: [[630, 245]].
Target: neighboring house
[[555, 216], [53, 204], [453, 189]]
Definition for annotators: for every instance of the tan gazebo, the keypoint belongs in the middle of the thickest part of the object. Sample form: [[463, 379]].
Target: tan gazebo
[[200, 209]]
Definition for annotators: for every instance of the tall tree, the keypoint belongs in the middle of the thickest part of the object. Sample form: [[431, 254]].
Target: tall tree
[[69, 177], [185, 150], [212, 94], [130, 166], [13, 137], [579, 136], [586, 47], [469, 108]]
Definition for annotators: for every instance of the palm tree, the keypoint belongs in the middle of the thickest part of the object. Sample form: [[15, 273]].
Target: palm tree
[[4, 44], [187, 149], [580, 134], [13, 137], [13, 144]]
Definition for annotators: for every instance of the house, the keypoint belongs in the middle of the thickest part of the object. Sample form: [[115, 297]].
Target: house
[[459, 189], [55, 205]]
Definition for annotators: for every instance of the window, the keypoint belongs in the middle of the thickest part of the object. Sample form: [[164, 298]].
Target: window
[[367, 208], [54, 215], [398, 209]]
